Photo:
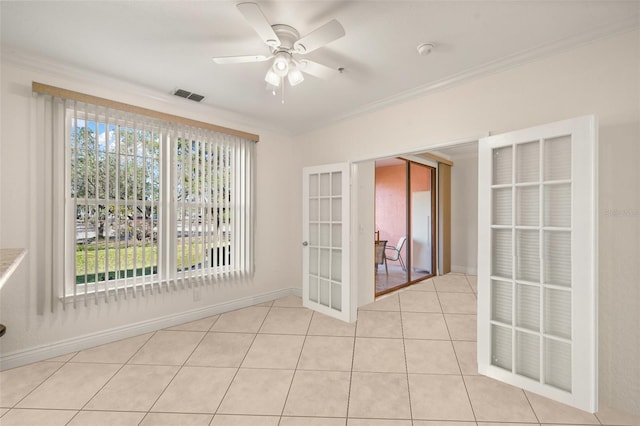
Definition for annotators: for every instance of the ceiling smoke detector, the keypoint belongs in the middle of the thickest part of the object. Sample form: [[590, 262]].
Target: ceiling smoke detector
[[425, 48]]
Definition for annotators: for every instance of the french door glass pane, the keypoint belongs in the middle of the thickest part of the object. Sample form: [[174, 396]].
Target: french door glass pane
[[501, 354], [528, 355], [336, 235], [336, 209], [313, 289], [325, 235], [336, 183], [324, 263], [527, 206], [502, 165], [313, 261], [557, 357], [528, 307], [502, 253], [501, 206], [557, 158], [528, 255], [557, 205], [325, 208], [325, 184], [528, 162], [501, 301], [557, 312], [557, 257], [314, 230], [336, 296], [314, 214], [336, 265], [313, 185], [324, 292]]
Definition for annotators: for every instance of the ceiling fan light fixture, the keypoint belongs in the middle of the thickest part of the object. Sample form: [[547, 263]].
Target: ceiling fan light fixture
[[281, 64], [271, 89], [295, 77], [272, 78]]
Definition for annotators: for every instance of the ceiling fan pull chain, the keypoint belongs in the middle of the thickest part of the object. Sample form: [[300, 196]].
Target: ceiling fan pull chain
[[282, 85]]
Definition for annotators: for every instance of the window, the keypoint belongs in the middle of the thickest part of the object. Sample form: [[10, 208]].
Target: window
[[114, 188], [142, 203]]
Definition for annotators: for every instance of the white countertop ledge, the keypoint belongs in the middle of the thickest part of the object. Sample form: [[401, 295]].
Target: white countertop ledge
[[10, 258]]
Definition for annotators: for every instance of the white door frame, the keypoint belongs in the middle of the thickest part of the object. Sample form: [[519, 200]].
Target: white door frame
[[363, 205]]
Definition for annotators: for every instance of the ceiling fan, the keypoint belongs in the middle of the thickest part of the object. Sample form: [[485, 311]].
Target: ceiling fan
[[286, 45]]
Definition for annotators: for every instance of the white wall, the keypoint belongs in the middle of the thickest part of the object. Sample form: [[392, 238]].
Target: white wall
[[363, 227], [464, 215], [600, 78], [31, 335]]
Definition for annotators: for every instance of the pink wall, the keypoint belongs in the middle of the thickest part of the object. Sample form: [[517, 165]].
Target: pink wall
[[391, 204], [420, 178], [391, 200]]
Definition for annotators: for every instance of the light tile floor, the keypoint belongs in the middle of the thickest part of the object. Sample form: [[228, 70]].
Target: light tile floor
[[409, 361]]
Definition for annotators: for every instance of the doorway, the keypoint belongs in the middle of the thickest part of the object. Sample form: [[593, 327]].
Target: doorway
[[405, 206]]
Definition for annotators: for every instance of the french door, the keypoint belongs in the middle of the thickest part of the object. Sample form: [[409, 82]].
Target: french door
[[537, 264], [325, 248]]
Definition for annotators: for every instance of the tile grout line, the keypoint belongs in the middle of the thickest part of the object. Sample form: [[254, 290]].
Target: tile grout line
[[110, 378], [406, 366], [15, 406], [474, 291], [63, 363], [295, 370], [180, 367], [531, 406], [255, 335], [464, 383], [353, 354]]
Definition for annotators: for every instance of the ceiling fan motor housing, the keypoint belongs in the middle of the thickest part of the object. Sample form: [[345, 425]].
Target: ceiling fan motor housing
[[287, 35]]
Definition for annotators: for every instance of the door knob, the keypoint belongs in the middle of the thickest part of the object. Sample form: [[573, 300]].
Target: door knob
[[304, 243]]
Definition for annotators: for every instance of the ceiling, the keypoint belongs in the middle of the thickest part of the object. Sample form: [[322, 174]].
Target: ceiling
[[165, 45]]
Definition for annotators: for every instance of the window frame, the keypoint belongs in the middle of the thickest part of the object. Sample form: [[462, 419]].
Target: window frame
[[166, 275]]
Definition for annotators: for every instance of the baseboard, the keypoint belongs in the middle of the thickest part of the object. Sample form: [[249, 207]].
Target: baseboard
[[464, 270], [52, 350]]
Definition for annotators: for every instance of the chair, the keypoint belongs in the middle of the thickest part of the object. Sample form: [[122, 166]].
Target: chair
[[395, 253], [380, 246]]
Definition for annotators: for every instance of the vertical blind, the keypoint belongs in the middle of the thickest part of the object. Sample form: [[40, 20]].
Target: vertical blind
[[141, 204]]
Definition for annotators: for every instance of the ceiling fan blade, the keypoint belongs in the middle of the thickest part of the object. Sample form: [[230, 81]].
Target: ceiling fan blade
[[253, 14], [327, 33], [240, 59], [317, 70]]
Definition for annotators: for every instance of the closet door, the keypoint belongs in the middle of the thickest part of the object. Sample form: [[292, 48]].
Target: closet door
[[537, 264]]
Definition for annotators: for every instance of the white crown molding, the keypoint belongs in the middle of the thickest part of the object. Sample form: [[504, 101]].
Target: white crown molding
[[80, 76], [238, 119], [51, 350], [503, 64]]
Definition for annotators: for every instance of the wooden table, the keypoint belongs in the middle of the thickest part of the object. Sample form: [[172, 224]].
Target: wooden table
[[380, 246]]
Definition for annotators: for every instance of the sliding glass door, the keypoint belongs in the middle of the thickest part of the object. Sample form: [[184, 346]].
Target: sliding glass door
[[405, 223]]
